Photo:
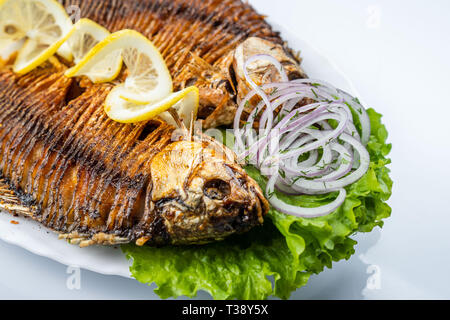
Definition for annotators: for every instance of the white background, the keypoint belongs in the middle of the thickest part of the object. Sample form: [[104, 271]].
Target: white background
[[397, 55]]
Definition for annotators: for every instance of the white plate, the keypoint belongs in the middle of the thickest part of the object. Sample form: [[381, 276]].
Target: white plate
[[107, 260]]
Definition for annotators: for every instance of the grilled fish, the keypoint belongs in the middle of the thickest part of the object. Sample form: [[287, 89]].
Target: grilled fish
[[94, 181]]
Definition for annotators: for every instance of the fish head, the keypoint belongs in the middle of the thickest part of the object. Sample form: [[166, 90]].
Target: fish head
[[201, 194], [216, 100], [262, 71]]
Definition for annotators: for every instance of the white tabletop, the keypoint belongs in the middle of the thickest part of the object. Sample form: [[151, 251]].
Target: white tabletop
[[397, 55]]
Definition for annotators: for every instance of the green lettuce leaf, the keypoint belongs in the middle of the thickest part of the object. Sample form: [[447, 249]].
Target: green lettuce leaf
[[279, 257]]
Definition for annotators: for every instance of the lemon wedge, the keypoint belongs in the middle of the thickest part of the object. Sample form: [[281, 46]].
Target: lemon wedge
[[42, 23], [148, 78], [185, 102]]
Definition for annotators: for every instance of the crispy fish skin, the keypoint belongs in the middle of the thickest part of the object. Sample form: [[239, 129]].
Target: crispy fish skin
[[96, 181], [198, 39]]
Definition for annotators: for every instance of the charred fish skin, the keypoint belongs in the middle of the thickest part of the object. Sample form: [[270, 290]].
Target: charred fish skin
[[198, 39], [96, 181]]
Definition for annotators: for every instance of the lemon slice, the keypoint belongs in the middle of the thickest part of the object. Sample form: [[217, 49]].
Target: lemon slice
[[187, 107], [148, 80], [42, 23], [185, 102], [84, 35]]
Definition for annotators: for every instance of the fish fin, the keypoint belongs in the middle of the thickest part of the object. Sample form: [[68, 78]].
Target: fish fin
[[10, 202], [101, 238]]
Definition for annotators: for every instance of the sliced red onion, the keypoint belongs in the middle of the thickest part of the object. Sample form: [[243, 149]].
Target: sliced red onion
[[345, 164], [334, 152], [319, 187], [302, 212]]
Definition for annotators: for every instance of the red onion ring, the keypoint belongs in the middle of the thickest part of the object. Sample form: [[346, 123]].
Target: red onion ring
[[323, 132]]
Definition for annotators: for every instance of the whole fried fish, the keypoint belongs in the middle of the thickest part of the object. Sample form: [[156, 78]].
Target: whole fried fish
[[67, 165], [97, 181]]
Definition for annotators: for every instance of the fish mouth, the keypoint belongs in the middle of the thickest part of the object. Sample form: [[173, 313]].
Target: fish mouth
[[240, 219]]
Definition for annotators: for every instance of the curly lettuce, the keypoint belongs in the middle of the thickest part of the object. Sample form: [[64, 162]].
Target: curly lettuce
[[279, 257]]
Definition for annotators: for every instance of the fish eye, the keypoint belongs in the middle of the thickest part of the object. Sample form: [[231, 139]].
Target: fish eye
[[217, 189]]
